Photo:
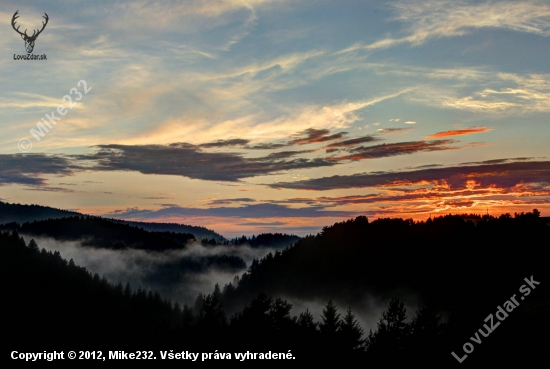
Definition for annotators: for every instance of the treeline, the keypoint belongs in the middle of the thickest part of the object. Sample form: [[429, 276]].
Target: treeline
[[267, 322], [272, 240], [439, 260], [111, 234], [197, 231], [22, 213], [102, 233], [44, 294]]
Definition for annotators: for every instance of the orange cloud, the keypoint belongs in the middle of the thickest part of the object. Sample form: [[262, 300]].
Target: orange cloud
[[460, 132]]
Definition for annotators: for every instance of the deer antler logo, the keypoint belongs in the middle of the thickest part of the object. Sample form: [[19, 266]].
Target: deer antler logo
[[29, 40]]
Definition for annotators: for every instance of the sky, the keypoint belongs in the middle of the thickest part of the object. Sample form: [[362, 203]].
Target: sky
[[256, 116]]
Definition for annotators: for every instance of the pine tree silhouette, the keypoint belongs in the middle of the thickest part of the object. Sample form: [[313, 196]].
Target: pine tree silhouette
[[392, 334], [330, 319], [351, 332]]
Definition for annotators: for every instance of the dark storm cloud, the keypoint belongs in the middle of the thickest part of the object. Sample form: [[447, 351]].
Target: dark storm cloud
[[505, 175]]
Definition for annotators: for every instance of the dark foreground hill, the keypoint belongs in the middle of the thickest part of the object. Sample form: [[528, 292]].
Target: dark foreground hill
[[44, 294], [474, 272], [440, 261]]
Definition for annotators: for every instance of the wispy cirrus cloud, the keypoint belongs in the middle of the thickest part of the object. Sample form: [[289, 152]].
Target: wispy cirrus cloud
[[449, 18], [394, 130], [29, 101], [526, 93]]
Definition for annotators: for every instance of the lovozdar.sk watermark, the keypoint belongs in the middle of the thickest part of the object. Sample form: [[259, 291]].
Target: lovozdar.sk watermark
[[501, 314]]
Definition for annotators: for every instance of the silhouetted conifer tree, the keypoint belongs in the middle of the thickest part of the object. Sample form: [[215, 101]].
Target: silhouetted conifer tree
[[351, 332], [32, 245], [330, 319], [306, 322], [392, 334]]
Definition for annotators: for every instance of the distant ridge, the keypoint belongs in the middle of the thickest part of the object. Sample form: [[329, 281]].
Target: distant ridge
[[29, 213], [197, 231]]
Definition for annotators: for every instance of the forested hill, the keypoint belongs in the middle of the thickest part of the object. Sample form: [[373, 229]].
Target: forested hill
[[102, 233], [270, 240], [198, 232], [29, 213], [445, 262], [44, 294], [472, 268]]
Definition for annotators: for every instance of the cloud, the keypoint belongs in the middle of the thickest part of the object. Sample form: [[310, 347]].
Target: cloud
[[29, 169], [434, 19], [247, 211], [393, 130], [352, 142], [460, 132], [506, 174], [313, 135], [338, 116], [230, 201], [400, 148], [29, 101], [188, 160], [286, 154], [225, 143], [52, 189], [527, 93], [263, 224], [195, 161], [267, 146], [403, 195]]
